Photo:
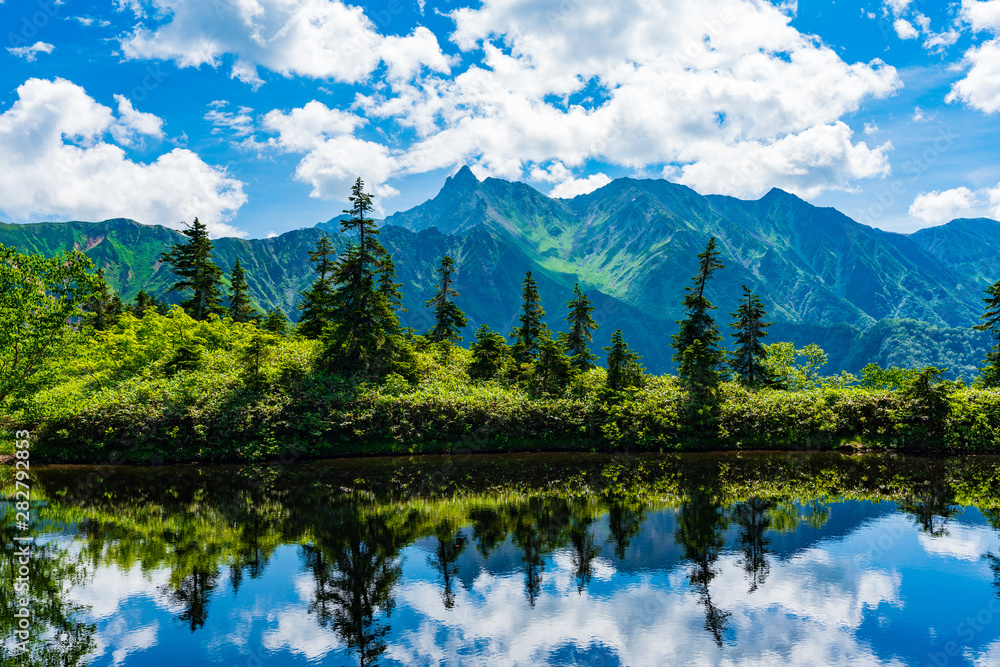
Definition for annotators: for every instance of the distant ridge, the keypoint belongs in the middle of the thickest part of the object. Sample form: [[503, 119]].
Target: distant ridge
[[631, 245]]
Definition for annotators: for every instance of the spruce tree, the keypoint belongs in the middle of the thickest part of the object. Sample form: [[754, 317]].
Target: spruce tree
[[275, 322], [529, 334], [623, 364], [317, 301], [697, 344], [387, 285], [448, 317], [581, 324], [364, 337], [103, 310], [748, 359], [240, 307], [990, 373], [192, 262], [490, 354], [552, 370]]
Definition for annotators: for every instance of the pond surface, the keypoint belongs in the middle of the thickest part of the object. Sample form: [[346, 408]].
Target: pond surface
[[752, 559]]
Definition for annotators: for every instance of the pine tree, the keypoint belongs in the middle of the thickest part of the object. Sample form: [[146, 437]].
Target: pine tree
[[748, 359], [490, 354], [317, 301], [529, 334], [581, 324], [192, 262], [623, 364], [364, 338], [990, 373], [240, 307], [143, 302], [275, 322], [448, 317], [698, 342]]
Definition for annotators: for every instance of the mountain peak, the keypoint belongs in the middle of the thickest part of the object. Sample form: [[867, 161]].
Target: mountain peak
[[463, 179]]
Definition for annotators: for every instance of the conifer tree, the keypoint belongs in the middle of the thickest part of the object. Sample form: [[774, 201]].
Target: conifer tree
[[990, 373], [103, 310], [623, 364], [581, 324], [364, 337], [490, 354], [697, 344], [748, 359], [448, 317], [240, 307], [317, 301], [275, 322], [192, 262], [387, 285], [529, 334], [551, 370]]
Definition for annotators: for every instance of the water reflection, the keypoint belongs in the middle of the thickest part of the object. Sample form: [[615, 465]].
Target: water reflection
[[815, 559]]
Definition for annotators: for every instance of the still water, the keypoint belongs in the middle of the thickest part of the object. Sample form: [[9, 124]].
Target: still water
[[752, 559]]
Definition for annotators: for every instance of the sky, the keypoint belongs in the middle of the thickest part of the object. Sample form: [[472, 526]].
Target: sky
[[257, 115]]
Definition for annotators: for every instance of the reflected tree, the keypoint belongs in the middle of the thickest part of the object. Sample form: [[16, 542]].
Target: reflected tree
[[700, 533], [932, 505], [584, 550], [355, 569], [193, 596], [450, 545], [752, 518], [625, 519]]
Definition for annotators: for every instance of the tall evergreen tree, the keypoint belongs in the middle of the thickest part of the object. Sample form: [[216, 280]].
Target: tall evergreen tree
[[623, 364], [317, 301], [748, 359], [581, 324], [276, 322], [448, 317], [387, 285], [192, 262], [240, 307], [490, 354], [532, 330], [103, 310], [364, 336], [697, 344], [551, 370], [990, 373]]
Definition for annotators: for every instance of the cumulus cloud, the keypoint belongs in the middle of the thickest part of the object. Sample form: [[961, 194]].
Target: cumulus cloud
[[313, 38], [30, 53], [904, 29], [980, 88], [937, 207], [579, 186], [726, 89], [59, 163]]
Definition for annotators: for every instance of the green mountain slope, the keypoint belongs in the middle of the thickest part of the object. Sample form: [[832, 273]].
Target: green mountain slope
[[632, 245]]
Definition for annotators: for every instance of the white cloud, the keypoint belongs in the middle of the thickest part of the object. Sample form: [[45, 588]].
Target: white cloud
[[132, 123], [30, 53], [897, 7], [579, 186], [936, 207], [904, 29], [982, 16], [240, 123], [321, 39], [58, 164], [980, 88], [726, 90]]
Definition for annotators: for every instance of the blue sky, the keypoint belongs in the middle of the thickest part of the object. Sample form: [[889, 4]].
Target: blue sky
[[255, 115]]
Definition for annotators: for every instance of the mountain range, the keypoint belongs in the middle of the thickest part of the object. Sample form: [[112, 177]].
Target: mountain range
[[861, 293]]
